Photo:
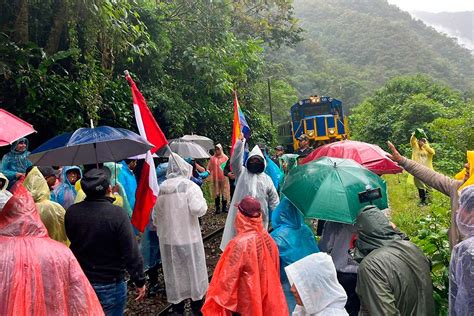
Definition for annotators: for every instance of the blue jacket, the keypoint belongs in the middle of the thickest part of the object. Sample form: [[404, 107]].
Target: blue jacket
[[161, 172], [15, 162], [294, 239], [129, 183]]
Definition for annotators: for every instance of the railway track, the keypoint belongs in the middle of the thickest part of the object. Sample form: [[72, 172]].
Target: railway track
[[209, 238]]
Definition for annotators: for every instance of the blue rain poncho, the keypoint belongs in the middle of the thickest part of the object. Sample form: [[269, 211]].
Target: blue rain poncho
[[129, 183], [15, 162], [273, 171], [161, 172], [294, 239], [461, 275], [66, 193], [116, 170]]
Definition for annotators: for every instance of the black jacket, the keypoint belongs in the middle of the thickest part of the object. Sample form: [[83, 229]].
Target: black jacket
[[103, 241]]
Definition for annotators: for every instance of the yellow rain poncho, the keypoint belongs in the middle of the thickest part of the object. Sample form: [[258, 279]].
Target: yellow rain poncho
[[461, 175], [422, 155], [81, 196], [51, 213]]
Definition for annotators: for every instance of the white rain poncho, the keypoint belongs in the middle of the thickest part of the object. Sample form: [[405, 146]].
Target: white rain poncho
[[461, 276], [178, 207], [258, 185], [315, 280], [4, 194]]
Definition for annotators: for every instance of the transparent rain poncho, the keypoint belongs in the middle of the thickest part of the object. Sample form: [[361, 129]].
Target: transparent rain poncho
[[51, 213], [39, 276], [260, 186], [315, 280], [294, 239], [461, 276], [4, 194], [178, 207]]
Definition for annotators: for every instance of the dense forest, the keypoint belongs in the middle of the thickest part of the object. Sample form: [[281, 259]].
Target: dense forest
[[352, 47], [62, 62]]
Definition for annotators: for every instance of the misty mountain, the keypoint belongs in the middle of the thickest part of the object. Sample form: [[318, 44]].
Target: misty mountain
[[457, 24], [352, 47]]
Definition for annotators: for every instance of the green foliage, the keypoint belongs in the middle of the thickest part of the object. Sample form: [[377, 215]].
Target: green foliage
[[352, 47], [62, 65], [406, 103]]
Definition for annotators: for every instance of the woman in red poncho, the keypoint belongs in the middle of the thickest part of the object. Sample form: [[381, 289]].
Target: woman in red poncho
[[39, 276], [247, 278]]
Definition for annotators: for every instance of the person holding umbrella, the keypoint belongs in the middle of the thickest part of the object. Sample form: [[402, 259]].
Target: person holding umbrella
[[104, 244], [15, 163]]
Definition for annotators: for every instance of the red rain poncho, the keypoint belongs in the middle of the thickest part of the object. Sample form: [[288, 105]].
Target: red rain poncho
[[38, 276], [247, 277]]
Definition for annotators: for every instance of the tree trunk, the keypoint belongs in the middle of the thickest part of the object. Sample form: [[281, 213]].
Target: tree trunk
[[60, 19], [21, 23]]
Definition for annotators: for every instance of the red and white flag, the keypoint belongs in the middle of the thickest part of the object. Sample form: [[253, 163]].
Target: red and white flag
[[147, 190]]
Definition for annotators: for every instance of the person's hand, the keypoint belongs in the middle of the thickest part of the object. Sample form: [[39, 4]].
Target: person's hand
[[19, 175], [231, 175], [115, 189], [140, 293], [395, 156]]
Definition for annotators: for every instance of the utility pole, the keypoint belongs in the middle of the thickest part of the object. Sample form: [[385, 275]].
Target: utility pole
[[270, 101]]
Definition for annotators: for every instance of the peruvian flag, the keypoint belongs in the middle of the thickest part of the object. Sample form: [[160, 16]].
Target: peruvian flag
[[147, 191]]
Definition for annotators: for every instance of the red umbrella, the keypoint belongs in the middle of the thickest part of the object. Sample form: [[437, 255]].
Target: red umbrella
[[370, 156], [12, 128]]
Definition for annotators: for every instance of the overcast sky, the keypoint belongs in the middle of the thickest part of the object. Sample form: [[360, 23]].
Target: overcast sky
[[434, 5]]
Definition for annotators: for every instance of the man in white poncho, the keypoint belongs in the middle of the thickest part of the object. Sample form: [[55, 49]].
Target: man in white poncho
[[178, 207], [315, 287], [249, 180]]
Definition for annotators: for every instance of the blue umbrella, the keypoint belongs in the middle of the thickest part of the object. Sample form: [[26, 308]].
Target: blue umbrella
[[89, 146]]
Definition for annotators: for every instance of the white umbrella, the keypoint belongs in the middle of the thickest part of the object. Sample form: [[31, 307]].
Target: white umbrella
[[205, 142], [185, 149]]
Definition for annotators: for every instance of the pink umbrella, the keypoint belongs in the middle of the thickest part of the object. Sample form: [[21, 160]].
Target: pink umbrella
[[368, 155], [12, 128]]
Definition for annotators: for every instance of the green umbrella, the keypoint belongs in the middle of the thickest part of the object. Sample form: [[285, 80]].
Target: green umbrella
[[328, 189]]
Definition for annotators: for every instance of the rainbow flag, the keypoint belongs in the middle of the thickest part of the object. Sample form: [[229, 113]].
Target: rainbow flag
[[240, 124]]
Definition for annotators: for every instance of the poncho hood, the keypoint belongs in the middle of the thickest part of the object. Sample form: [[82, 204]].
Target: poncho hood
[[178, 167], [286, 214], [36, 184], [245, 224], [374, 231], [257, 152], [13, 148], [20, 216], [316, 282], [66, 169]]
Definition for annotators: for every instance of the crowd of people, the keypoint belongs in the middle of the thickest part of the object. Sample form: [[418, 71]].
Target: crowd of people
[[68, 244]]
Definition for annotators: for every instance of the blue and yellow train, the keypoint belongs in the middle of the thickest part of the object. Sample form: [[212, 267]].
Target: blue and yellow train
[[320, 117]]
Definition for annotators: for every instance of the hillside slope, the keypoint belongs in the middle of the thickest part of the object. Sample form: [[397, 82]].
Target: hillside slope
[[352, 47]]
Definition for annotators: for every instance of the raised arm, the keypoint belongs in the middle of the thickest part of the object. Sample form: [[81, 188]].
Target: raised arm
[[236, 161]]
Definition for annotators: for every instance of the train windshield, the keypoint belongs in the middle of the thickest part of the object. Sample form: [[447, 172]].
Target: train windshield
[[317, 109]]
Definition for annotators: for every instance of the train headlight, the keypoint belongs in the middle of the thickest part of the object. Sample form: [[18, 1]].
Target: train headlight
[[331, 131]]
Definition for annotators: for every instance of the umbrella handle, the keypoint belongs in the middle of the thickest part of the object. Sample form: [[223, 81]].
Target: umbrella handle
[[95, 152]]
